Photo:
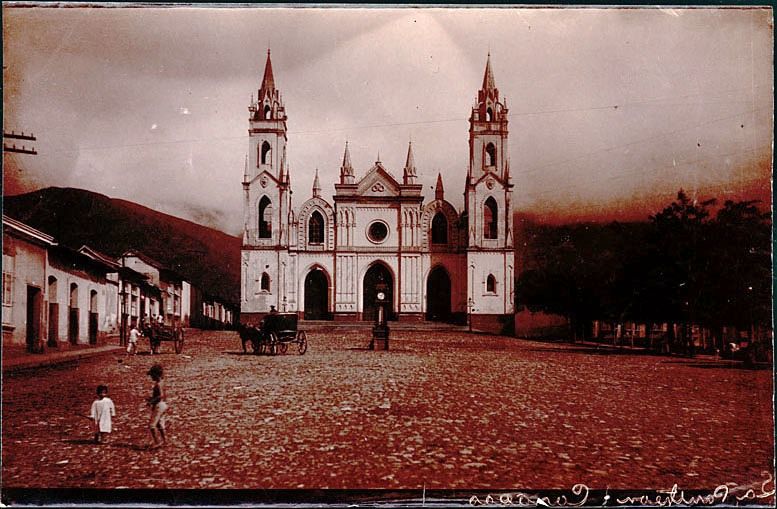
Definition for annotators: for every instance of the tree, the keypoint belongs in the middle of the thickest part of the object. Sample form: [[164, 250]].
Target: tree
[[741, 262]]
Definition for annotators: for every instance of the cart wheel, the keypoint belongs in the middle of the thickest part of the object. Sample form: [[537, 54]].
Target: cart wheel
[[179, 341], [302, 339], [283, 347], [273, 344]]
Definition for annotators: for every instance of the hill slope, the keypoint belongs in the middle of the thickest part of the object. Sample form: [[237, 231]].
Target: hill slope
[[208, 258]]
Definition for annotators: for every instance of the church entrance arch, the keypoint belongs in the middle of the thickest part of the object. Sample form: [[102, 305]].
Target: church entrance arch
[[438, 295], [375, 274], [316, 295]]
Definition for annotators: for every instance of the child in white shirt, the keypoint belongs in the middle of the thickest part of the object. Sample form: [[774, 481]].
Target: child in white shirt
[[102, 411]]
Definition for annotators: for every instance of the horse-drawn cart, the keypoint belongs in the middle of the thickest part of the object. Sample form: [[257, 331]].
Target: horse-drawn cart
[[156, 333], [274, 335]]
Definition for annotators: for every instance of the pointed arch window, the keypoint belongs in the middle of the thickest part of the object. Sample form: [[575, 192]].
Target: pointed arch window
[[265, 282], [490, 219], [267, 112], [316, 228], [490, 284], [265, 153], [489, 115], [439, 229], [490, 155], [265, 218]]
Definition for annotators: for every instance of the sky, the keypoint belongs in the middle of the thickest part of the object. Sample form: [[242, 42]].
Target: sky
[[612, 110]]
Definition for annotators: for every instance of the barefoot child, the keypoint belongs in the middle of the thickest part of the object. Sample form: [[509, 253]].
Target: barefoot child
[[102, 411], [158, 406]]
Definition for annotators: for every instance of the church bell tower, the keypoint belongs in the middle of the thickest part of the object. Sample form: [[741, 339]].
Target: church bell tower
[[267, 201], [488, 207]]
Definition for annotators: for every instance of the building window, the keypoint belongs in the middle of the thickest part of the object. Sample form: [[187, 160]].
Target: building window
[[377, 231], [265, 284], [265, 218], [316, 228], [439, 229], [490, 284], [489, 115], [52, 289], [490, 219], [8, 272], [267, 112], [490, 155], [265, 155]]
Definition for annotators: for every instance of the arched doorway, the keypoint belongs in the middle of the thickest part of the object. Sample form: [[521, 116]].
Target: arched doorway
[[93, 317], [316, 295], [53, 312], [375, 274], [73, 315], [438, 295]]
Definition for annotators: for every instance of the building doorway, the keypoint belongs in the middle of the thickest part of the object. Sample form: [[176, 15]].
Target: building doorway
[[438, 295], [316, 295], [377, 273], [34, 308], [93, 317], [53, 335], [72, 316]]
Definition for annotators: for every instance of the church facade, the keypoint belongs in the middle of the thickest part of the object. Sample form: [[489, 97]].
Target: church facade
[[324, 259]]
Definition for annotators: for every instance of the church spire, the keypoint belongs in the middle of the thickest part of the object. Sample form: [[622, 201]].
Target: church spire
[[316, 186], [410, 171], [346, 157], [439, 192], [346, 170], [268, 81], [488, 76]]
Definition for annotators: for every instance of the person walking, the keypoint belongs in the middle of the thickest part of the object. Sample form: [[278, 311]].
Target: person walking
[[132, 346], [158, 407], [102, 412]]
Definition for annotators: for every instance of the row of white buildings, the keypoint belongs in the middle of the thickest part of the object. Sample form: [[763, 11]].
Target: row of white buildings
[[58, 297]]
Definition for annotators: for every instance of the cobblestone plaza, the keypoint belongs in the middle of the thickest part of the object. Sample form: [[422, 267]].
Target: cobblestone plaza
[[442, 409]]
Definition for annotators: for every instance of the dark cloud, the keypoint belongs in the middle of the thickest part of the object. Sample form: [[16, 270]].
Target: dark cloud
[[608, 106]]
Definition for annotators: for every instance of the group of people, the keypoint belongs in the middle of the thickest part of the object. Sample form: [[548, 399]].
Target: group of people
[[135, 332], [103, 410]]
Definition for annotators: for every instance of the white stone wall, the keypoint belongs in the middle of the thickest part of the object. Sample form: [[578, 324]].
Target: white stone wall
[[277, 265], [480, 266], [28, 268], [186, 302], [85, 286]]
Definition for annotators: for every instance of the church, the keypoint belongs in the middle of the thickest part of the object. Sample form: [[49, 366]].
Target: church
[[324, 259]]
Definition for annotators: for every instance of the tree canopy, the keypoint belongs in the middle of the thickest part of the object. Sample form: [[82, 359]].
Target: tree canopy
[[692, 262]]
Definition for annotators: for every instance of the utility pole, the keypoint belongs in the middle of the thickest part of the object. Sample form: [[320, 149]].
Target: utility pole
[[13, 148]]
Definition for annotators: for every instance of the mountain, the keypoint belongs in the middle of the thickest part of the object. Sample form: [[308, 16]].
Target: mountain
[[208, 258]]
